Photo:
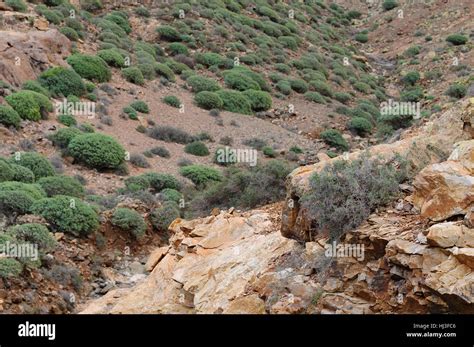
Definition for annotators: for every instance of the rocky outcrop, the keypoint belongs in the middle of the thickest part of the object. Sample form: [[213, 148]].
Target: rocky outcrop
[[24, 55], [432, 144]]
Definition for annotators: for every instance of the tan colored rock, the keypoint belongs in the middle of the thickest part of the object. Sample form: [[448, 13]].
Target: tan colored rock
[[450, 234], [464, 153], [24, 55], [155, 257], [443, 190], [323, 156], [41, 24], [465, 256], [250, 304]]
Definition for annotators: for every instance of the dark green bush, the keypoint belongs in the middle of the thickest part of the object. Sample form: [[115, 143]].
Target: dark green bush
[[235, 80], [169, 194], [140, 106], [15, 202], [342, 97], [457, 91], [90, 67], [321, 87], [38, 164], [170, 134], [36, 87], [10, 267], [63, 137], [176, 48], [112, 57], [133, 75], [199, 84], [314, 97], [34, 233], [121, 21], [33, 190], [97, 151], [30, 105], [413, 94], [457, 39], [22, 174], [61, 185], [259, 100], [67, 120], [299, 86], [411, 78], [165, 71], [62, 82], [168, 33], [360, 126], [208, 100], [362, 37], [284, 87], [172, 101], [130, 221], [388, 5], [70, 33], [158, 181], [209, 59], [332, 137], [200, 175], [9, 117], [137, 183], [91, 5], [130, 112], [269, 152], [197, 148], [17, 5], [162, 217], [67, 214], [235, 101], [161, 152], [6, 172]]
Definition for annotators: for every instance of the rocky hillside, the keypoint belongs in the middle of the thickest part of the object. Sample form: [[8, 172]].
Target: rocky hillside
[[202, 156]]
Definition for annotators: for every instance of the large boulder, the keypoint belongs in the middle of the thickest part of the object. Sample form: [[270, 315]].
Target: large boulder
[[23, 55]]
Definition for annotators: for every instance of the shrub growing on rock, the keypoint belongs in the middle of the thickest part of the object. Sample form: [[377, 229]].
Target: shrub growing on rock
[[130, 221], [97, 151], [15, 202], [10, 267], [30, 105], [38, 164], [162, 217], [457, 91], [9, 117], [90, 67], [60, 81], [34, 233], [67, 214], [33, 190], [332, 137], [61, 185]]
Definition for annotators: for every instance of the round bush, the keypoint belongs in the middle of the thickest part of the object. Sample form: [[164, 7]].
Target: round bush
[[234, 101], [10, 267], [362, 38], [61, 81], [140, 106], [172, 101], [130, 221], [197, 148], [67, 120], [67, 214], [162, 217], [165, 71], [17, 5], [97, 151], [388, 5], [70, 33], [176, 48], [36, 87], [61, 185], [199, 84], [131, 112], [6, 171], [321, 87], [342, 97], [62, 137], [133, 75], [284, 87], [209, 59], [299, 86], [34, 233], [236, 80], [457, 39], [411, 78], [38, 164], [200, 175], [137, 183], [22, 174], [332, 137], [169, 194], [33, 190], [208, 100], [158, 181], [168, 33], [112, 57], [259, 100], [15, 202], [314, 97], [90, 67], [9, 117], [457, 91], [30, 105], [361, 126]]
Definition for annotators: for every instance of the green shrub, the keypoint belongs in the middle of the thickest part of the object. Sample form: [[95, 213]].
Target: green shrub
[[284, 87], [342, 97], [172, 101], [343, 194], [388, 5], [413, 94], [333, 138], [162, 217], [63, 137], [142, 12], [38, 164], [361, 37], [97, 151], [395, 121], [170, 134], [30, 105], [269, 152], [130, 221], [90, 67], [112, 57], [160, 151], [36, 87], [130, 112], [62, 82], [457, 39], [10, 267], [197, 148], [200, 175], [140, 106], [91, 5], [137, 183], [259, 100], [158, 181], [67, 120], [133, 75], [209, 59], [168, 33], [22, 174], [6, 172], [314, 97], [288, 42], [235, 101], [235, 80], [67, 214], [208, 100], [61, 185], [121, 21], [17, 5], [360, 126], [169, 194], [412, 51], [70, 33], [176, 48], [9, 117], [299, 86], [15, 202], [411, 78], [34, 233], [321, 87], [457, 91], [33, 190], [165, 71], [200, 84]]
